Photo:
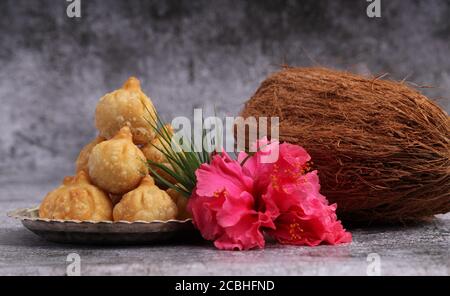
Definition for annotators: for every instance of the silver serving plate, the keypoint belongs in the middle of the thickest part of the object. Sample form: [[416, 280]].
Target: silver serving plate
[[106, 232]]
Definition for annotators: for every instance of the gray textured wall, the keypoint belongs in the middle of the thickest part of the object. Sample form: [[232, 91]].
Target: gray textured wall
[[188, 53]]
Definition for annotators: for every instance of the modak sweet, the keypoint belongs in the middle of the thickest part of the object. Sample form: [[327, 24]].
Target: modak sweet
[[181, 201], [128, 106], [77, 199], [83, 157], [145, 203], [117, 165], [153, 152]]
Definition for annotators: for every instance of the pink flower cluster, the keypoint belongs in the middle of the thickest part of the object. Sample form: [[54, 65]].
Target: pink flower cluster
[[235, 205]]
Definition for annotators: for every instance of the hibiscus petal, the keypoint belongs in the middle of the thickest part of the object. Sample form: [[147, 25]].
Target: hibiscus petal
[[246, 233], [235, 208], [256, 166], [221, 175], [204, 210], [294, 154], [298, 228]]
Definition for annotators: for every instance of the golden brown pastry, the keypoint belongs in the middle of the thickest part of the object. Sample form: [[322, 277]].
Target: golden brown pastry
[[145, 203], [83, 157], [152, 151], [128, 106], [77, 199], [117, 165], [181, 201]]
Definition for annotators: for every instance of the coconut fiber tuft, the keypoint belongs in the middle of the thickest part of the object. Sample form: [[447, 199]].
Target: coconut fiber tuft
[[382, 148]]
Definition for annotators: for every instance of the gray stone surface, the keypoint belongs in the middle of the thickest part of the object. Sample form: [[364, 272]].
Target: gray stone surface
[[416, 250]]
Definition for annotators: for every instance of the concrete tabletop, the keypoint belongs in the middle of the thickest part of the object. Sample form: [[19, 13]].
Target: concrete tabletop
[[415, 250]]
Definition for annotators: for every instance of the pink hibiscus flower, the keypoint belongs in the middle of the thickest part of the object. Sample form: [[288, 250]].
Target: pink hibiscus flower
[[235, 202], [305, 217], [224, 208]]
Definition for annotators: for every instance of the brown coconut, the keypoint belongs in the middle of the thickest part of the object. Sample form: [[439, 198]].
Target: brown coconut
[[382, 149]]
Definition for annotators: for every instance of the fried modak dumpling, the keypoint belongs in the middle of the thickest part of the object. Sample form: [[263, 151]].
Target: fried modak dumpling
[[77, 199], [128, 106], [152, 152], [181, 201], [145, 203], [83, 157], [117, 165]]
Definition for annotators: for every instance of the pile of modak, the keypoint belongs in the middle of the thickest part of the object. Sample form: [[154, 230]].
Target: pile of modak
[[112, 180]]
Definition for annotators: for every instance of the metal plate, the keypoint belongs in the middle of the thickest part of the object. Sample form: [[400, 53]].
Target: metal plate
[[107, 232]]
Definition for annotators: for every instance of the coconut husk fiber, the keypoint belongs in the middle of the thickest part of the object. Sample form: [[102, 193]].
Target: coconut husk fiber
[[382, 148]]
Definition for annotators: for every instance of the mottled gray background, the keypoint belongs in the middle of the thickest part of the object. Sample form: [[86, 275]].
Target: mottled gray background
[[187, 53]]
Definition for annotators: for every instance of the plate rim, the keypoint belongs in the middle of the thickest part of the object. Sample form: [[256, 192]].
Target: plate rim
[[18, 214]]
